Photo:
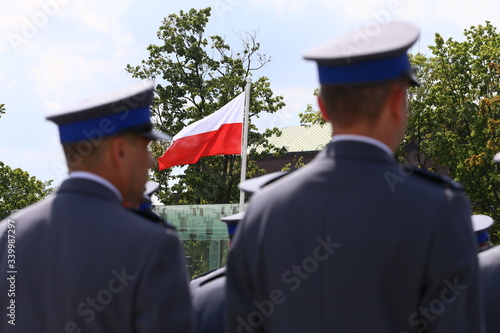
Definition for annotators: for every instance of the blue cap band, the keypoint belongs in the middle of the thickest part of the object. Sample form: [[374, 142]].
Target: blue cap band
[[365, 72], [231, 229], [145, 205], [96, 128], [482, 236]]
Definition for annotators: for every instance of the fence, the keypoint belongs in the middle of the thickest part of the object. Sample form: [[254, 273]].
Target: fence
[[203, 235]]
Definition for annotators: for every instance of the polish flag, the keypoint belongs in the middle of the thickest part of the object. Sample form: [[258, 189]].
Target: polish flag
[[218, 134]]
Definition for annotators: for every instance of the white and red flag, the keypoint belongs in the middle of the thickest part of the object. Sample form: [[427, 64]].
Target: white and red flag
[[217, 134]]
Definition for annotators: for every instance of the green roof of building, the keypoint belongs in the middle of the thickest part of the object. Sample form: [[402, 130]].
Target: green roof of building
[[302, 138]]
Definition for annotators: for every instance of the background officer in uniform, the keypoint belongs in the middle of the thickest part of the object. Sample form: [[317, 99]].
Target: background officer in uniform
[[144, 205], [489, 266], [84, 262], [352, 242], [208, 290], [480, 225]]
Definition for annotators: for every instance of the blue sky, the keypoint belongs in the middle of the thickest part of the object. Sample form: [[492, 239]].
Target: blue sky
[[56, 52]]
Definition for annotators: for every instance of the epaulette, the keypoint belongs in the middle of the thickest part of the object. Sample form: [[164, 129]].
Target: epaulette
[[153, 217], [205, 274], [436, 178], [252, 185], [210, 276]]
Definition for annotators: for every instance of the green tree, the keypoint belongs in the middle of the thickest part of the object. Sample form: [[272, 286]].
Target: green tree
[[197, 256], [196, 75], [454, 120], [311, 116], [295, 164], [18, 189]]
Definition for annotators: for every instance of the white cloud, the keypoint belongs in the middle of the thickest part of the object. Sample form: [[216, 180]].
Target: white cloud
[[64, 69], [5, 81], [296, 99], [23, 21], [362, 10], [469, 13], [283, 8], [29, 23], [415, 11], [103, 18], [57, 73], [87, 43]]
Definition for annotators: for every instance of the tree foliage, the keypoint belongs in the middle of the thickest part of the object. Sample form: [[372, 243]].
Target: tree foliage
[[454, 121], [197, 256], [196, 75], [18, 189], [295, 164], [311, 116]]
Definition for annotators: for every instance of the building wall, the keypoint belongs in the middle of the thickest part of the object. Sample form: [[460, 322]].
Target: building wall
[[272, 163]]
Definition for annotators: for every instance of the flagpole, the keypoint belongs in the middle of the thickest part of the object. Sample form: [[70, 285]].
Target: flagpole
[[245, 140]]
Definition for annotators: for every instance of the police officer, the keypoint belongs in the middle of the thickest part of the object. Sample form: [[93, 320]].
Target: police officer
[[208, 290], [144, 206], [83, 262], [480, 224], [352, 242], [489, 265]]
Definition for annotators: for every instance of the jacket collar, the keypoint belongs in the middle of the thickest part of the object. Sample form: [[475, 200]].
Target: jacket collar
[[357, 150], [87, 187]]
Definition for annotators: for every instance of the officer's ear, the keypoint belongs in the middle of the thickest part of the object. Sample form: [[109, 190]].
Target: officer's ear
[[117, 151], [322, 108], [397, 100]]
